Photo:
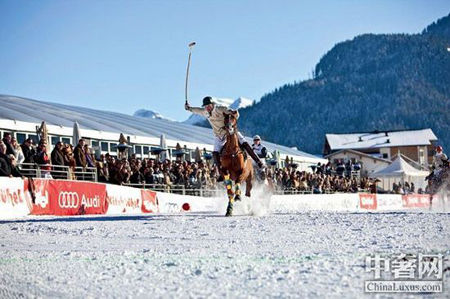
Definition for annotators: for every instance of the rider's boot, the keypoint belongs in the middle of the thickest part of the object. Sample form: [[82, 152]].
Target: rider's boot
[[252, 154], [216, 158]]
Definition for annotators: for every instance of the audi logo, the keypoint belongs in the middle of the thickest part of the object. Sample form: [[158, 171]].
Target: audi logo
[[67, 200]]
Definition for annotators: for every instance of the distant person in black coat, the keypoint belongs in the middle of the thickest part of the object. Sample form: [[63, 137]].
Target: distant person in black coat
[[28, 150], [57, 154], [7, 141]]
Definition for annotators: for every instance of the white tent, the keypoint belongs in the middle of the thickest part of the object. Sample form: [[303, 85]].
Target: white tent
[[400, 171]]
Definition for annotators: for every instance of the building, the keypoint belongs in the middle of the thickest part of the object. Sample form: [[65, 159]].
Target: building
[[369, 163], [417, 145], [102, 129]]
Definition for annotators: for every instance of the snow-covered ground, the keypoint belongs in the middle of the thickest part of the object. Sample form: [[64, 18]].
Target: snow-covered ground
[[311, 254]]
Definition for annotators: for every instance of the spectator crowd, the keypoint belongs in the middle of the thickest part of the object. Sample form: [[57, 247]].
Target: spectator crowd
[[323, 178]]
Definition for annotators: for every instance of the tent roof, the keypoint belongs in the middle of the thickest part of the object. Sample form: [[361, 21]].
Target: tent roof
[[399, 168], [27, 110]]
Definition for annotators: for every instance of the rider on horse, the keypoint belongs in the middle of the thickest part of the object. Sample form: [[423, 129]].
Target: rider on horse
[[215, 114], [439, 160]]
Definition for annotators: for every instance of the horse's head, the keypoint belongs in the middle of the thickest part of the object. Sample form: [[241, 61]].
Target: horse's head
[[230, 123]]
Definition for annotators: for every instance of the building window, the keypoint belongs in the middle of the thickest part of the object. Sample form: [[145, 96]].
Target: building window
[[94, 144], [104, 146], [21, 137], [385, 156], [138, 149], [113, 147], [54, 140], [34, 138], [66, 140], [146, 150], [421, 156]]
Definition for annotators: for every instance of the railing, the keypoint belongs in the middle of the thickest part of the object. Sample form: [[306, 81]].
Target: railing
[[58, 172], [90, 174], [182, 189]]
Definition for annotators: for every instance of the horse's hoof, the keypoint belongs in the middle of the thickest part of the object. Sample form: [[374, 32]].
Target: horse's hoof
[[229, 210]]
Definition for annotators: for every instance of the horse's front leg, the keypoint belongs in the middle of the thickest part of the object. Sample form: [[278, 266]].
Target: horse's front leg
[[237, 191], [229, 185]]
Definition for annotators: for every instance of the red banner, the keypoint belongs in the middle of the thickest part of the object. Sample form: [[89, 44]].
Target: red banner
[[367, 201], [416, 200], [149, 202], [41, 200], [77, 198]]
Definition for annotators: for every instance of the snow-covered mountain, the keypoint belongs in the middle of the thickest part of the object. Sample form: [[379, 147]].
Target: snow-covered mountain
[[150, 114], [241, 102]]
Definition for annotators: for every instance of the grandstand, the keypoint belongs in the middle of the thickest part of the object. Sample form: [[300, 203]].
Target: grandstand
[[102, 129]]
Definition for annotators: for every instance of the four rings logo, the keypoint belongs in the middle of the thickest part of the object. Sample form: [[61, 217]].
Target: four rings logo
[[67, 200]]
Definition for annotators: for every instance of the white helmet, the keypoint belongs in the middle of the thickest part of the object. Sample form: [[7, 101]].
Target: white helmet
[[256, 137]]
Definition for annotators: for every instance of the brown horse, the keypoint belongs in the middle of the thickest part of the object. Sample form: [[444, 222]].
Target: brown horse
[[438, 183], [236, 168]]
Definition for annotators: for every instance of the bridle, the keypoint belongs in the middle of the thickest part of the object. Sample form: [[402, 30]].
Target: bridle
[[231, 129]]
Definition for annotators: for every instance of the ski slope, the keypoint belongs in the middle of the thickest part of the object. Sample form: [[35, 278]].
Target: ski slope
[[311, 254]]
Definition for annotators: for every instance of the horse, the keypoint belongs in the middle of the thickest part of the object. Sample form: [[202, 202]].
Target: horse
[[235, 166], [439, 182]]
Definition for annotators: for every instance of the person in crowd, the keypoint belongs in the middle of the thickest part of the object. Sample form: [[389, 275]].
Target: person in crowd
[[57, 155], [57, 159], [15, 171], [90, 159], [348, 168], [7, 141], [28, 150], [18, 154], [43, 160], [215, 114], [80, 156], [5, 165], [340, 168]]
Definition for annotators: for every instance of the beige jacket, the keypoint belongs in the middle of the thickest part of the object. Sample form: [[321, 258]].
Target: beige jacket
[[215, 118]]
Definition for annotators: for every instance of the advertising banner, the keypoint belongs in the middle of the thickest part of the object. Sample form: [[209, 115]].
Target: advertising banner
[[368, 201], [76, 198], [13, 202]]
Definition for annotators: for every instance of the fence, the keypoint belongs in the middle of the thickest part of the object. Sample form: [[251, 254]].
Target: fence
[[90, 174], [182, 189], [58, 172]]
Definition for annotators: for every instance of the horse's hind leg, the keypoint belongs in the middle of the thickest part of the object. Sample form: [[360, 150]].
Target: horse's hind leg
[[249, 186], [237, 191]]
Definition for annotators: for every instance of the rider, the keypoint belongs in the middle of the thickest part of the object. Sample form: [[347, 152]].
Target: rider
[[259, 149], [215, 115], [439, 159]]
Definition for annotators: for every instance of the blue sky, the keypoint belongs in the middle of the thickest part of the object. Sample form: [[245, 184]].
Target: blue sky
[[126, 55]]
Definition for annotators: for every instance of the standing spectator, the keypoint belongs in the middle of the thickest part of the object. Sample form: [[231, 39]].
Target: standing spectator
[[5, 165], [80, 157], [28, 150], [57, 155], [348, 168], [340, 168], [7, 141], [90, 160], [18, 154], [43, 160], [412, 187], [57, 159]]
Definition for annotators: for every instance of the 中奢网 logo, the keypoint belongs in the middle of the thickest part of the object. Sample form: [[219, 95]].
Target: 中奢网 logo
[[67, 200]]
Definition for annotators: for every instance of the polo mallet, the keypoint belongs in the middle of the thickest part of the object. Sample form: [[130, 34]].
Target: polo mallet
[[191, 45]]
